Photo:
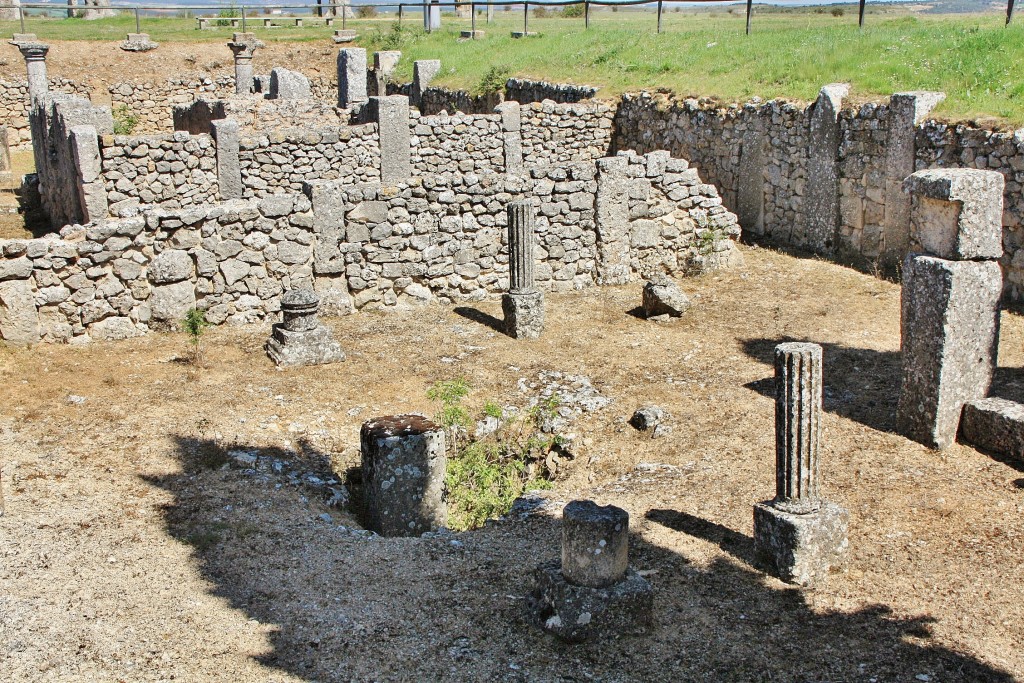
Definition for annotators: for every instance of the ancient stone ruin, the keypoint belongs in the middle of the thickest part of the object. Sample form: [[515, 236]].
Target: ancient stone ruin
[[301, 339]]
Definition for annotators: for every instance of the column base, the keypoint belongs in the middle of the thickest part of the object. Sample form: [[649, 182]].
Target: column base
[[524, 314], [313, 347], [578, 613], [801, 549]]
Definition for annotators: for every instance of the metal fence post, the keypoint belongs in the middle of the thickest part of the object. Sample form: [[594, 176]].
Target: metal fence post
[[243, 18], [526, 19], [400, 8], [750, 10], [472, 15], [659, 15], [138, 24], [1009, 12], [860, 16], [586, 14], [21, 18]]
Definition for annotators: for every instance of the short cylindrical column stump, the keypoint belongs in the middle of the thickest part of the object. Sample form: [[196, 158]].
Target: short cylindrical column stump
[[403, 466], [592, 593], [301, 339]]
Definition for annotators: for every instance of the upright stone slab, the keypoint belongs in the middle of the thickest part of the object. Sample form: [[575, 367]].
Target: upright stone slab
[[523, 305], [950, 334], [351, 77], [97, 9], [799, 536], [289, 85], [403, 467], [592, 593], [612, 216], [821, 198], [226, 133], [423, 72], [512, 136], [750, 191], [956, 213], [243, 46], [19, 317], [301, 339], [5, 151], [11, 13], [384, 64], [392, 116], [92, 190], [432, 17], [906, 111]]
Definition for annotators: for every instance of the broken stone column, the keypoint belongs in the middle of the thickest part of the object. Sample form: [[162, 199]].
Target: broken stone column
[[523, 305], [138, 42], [511, 126], [35, 64], [392, 116], [750, 191], [663, 300], [384, 64], [797, 534], [612, 218], [906, 111], [289, 85], [592, 592], [423, 71], [351, 77], [244, 46], [226, 134], [821, 198], [949, 299], [403, 468], [301, 339]]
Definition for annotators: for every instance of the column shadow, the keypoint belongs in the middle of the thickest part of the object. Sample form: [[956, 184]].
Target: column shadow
[[478, 316]]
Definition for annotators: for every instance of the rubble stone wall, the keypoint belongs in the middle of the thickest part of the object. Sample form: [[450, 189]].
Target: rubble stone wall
[[460, 143], [566, 133], [172, 170]]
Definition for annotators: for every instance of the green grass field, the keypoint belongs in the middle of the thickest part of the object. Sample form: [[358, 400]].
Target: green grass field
[[973, 58]]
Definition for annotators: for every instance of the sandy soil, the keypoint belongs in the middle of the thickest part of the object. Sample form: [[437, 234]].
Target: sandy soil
[[128, 554]]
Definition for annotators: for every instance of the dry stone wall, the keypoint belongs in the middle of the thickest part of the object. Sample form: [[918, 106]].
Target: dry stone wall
[[173, 170], [14, 106], [458, 143], [153, 102], [566, 133]]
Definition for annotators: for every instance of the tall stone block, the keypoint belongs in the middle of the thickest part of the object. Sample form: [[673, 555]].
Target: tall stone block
[[750, 192], [512, 136], [403, 467], [798, 391], [956, 213], [906, 111], [523, 305], [19, 317], [950, 333], [226, 133], [289, 85], [392, 116], [384, 64], [351, 77], [92, 191], [423, 72], [821, 198], [612, 215]]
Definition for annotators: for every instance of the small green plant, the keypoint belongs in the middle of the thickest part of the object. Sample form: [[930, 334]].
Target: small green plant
[[450, 393], [227, 14], [492, 409], [125, 121], [572, 11], [493, 81], [706, 242], [838, 11], [195, 325], [540, 13], [366, 12]]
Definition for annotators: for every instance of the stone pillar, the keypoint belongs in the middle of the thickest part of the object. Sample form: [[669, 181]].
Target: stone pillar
[[821, 197], [35, 64], [229, 169], [351, 77], [92, 192], [384, 64], [950, 299], [244, 46], [423, 71], [592, 592], [750, 192], [906, 111], [11, 13], [490, 13], [392, 116], [798, 392], [431, 16], [403, 466], [511, 126], [301, 339], [5, 151], [612, 218], [523, 305], [799, 536]]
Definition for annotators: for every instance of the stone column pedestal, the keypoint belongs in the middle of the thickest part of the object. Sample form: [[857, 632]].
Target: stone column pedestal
[[592, 593], [524, 314], [302, 339], [403, 467], [244, 46], [35, 64], [523, 305], [799, 536]]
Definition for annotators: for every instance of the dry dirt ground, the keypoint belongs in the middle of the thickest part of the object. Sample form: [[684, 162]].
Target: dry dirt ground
[[128, 554]]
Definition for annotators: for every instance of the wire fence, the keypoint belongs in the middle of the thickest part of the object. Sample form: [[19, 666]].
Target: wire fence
[[241, 16]]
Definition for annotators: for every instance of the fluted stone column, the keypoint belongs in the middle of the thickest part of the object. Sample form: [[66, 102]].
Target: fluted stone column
[[797, 426], [35, 64], [523, 305], [244, 46], [799, 536]]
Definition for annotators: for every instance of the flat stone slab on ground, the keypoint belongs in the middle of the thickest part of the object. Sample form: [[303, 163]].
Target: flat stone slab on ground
[[994, 424]]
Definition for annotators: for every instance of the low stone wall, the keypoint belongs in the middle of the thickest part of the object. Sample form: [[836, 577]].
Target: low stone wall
[[14, 106], [460, 143], [566, 133], [526, 91], [285, 159], [173, 170], [153, 102], [434, 237]]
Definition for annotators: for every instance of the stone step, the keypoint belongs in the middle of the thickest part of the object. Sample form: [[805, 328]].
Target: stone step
[[995, 425]]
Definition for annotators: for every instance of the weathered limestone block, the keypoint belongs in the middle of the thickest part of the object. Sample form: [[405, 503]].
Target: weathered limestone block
[[138, 42], [750, 191], [950, 332], [19, 318], [301, 339], [821, 201], [595, 544], [289, 85], [995, 425], [524, 314], [612, 204], [384, 64], [11, 14], [664, 300], [226, 133], [392, 116], [512, 136], [91, 190], [956, 213], [344, 35], [801, 549], [351, 77], [169, 303], [170, 265], [403, 466], [423, 72], [97, 9]]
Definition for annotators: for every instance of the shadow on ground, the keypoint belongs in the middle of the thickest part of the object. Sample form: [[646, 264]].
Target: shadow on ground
[[350, 607], [478, 316]]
